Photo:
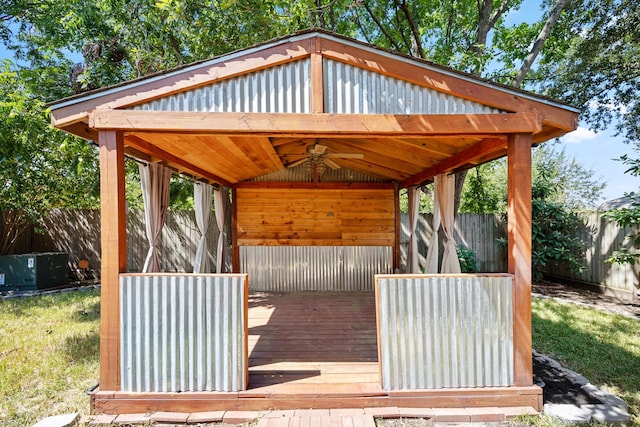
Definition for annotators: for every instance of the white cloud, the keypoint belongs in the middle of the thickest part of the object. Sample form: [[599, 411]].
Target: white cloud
[[579, 135]]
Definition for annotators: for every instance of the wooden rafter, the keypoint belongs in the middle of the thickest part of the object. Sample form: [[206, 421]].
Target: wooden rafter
[[456, 161]]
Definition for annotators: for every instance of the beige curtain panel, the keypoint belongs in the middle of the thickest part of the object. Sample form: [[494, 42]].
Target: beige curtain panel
[[202, 196], [221, 204], [155, 179], [412, 251]]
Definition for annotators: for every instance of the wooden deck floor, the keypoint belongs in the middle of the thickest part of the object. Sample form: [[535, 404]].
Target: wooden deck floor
[[312, 338], [313, 350]]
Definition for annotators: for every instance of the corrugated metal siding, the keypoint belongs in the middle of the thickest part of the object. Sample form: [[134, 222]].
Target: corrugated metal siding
[[314, 268], [182, 333], [445, 332], [282, 89], [353, 90], [300, 174]]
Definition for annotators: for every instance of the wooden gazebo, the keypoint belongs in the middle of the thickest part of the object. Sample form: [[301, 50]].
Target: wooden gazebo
[[314, 134]]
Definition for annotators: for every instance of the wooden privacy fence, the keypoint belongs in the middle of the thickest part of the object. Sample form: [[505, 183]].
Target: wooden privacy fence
[[602, 237], [77, 232]]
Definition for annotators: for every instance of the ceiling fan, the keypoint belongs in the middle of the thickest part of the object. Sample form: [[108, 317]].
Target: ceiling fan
[[318, 157]]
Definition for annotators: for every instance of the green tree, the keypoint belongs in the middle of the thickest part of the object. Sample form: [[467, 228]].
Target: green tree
[[553, 229], [40, 167], [600, 70]]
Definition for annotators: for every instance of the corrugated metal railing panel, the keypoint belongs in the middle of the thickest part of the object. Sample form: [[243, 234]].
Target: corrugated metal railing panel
[[183, 332], [354, 90], [282, 89], [314, 268], [445, 332]]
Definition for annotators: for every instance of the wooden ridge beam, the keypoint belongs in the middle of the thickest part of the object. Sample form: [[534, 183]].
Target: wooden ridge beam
[[481, 149], [315, 125]]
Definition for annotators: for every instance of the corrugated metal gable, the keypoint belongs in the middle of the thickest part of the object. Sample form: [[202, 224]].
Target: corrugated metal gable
[[286, 88]]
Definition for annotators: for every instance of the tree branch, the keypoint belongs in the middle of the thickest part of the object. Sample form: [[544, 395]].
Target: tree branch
[[417, 42], [381, 27], [537, 45], [499, 12]]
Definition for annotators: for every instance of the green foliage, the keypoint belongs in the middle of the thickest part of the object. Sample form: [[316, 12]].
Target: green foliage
[[40, 167], [552, 231], [600, 70], [468, 259], [575, 186], [485, 189]]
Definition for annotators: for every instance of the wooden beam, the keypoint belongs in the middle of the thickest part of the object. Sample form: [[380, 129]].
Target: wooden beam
[[235, 248], [317, 78], [150, 149], [114, 254], [481, 149], [396, 244], [315, 125], [519, 250]]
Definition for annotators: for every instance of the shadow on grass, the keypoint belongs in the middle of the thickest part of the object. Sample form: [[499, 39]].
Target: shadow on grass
[[596, 345], [26, 306], [83, 348], [88, 312]]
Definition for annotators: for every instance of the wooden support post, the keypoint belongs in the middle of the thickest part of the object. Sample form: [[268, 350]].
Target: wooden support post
[[317, 78], [114, 254], [235, 249], [396, 245], [519, 235]]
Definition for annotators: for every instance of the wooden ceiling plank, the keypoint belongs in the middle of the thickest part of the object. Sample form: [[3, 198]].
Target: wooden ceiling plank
[[386, 147], [243, 159], [144, 146], [454, 162], [373, 169], [199, 154], [266, 146], [319, 125], [260, 152], [224, 151], [393, 163]]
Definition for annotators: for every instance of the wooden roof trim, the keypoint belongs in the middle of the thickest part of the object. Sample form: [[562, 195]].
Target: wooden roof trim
[[315, 125], [452, 83], [147, 90]]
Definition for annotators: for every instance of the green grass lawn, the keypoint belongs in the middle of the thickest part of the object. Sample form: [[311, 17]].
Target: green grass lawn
[[49, 352], [48, 355], [602, 347]]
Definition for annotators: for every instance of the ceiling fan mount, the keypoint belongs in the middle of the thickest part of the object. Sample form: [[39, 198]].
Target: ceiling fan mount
[[317, 159]]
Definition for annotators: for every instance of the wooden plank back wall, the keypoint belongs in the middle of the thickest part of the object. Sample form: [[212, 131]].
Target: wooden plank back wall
[[326, 216]]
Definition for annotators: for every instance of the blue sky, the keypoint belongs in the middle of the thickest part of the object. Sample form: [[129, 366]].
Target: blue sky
[[595, 151]]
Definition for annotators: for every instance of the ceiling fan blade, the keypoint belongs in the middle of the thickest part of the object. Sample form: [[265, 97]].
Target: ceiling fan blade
[[331, 163], [345, 155], [319, 149], [297, 162]]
